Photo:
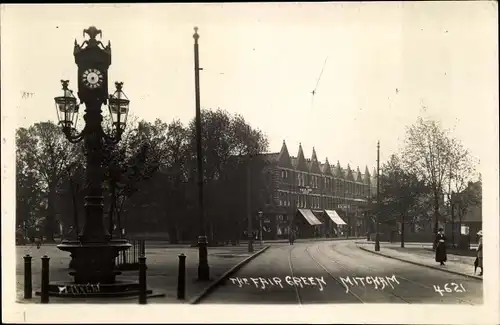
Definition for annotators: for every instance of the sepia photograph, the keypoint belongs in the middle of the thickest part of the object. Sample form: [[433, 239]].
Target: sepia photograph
[[341, 156]]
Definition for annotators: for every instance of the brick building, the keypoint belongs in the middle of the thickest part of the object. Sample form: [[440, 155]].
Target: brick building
[[317, 199]]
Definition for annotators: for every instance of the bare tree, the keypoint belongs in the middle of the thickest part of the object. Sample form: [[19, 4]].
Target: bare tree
[[428, 153]]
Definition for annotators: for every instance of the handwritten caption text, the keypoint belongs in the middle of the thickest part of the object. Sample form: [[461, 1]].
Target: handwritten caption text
[[376, 282], [79, 289], [264, 283], [449, 287]]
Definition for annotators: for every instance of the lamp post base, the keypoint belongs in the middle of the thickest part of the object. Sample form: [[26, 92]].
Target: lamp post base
[[94, 262], [203, 268], [250, 244]]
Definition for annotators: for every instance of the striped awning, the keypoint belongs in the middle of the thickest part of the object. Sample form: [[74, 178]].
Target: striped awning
[[310, 217], [335, 217]]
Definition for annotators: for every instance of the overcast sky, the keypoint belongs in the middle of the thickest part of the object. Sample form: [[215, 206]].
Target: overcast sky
[[385, 62]]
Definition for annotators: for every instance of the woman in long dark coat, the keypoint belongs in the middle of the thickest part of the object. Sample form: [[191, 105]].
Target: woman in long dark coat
[[480, 251], [440, 247]]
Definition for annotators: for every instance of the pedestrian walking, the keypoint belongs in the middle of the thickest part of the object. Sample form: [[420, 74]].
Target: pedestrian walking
[[38, 238], [440, 247], [291, 236], [480, 251]]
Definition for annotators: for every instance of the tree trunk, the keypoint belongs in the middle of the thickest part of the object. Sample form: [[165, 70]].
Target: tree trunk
[[75, 209], [172, 233], [402, 230], [436, 215], [452, 225], [50, 221], [112, 209]]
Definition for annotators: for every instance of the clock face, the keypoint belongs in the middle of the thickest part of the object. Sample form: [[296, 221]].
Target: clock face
[[92, 78]]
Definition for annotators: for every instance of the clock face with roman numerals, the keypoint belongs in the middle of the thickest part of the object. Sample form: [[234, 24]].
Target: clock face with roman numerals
[[92, 78]]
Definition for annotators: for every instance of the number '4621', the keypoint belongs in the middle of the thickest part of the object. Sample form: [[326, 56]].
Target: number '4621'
[[449, 287]]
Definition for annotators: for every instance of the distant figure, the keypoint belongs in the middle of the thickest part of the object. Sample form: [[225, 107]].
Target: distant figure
[[440, 247], [480, 251], [291, 236], [38, 238]]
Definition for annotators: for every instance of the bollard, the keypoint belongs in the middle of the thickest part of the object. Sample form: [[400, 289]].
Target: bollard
[[181, 278], [27, 277], [134, 245], [142, 281], [143, 247], [44, 297]]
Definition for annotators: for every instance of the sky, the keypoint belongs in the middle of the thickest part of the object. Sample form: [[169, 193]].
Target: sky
[[386, 64]]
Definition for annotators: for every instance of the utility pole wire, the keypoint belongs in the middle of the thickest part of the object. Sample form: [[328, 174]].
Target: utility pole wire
[[319, 78], [317, 82]]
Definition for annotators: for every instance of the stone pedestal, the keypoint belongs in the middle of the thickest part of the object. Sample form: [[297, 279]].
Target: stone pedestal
[[94, 262]]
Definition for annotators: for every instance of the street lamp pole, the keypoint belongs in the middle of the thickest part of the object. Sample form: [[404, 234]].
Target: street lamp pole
[[249, 212], [377, 240], [94, 251], [260, 226], [203, 268]]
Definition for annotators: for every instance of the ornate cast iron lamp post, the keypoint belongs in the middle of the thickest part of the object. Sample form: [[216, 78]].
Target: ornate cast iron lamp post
[[94, 251]]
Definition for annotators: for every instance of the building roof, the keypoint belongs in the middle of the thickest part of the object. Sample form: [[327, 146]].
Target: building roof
[[326, 168], [284, 157], [300, 163]]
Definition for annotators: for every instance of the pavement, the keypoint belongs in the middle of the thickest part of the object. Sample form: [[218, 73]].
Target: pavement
[[322, 272], [162, 271], [155, 243], [412, 244], [424, 256]]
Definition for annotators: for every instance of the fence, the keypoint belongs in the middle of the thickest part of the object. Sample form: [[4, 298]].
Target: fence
[[129, 259]]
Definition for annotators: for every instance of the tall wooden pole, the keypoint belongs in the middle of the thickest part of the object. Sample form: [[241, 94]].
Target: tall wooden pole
[[377, 240], [203, 268], [249, 211]]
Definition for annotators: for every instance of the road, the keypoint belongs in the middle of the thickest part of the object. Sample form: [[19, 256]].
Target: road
[[339, 272]]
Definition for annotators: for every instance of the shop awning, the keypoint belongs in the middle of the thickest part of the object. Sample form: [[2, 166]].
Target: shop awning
[[310, 217], [335, 217]]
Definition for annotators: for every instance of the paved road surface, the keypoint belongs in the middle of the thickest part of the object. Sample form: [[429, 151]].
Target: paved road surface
[[339, 272]]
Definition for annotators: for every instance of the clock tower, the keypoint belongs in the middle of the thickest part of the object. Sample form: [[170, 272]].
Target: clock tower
[[93, 60]]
